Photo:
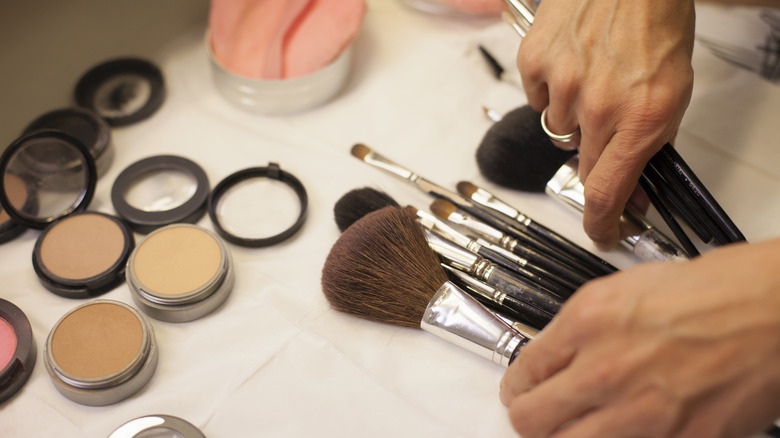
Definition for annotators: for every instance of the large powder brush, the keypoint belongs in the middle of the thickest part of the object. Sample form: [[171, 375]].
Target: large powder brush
[[382, 269]]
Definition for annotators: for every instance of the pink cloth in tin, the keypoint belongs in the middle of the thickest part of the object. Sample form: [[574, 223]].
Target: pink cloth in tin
[[280, 39]]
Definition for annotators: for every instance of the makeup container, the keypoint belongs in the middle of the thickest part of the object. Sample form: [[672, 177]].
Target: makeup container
[[240, 219], [85, 125], [180, 273], [17, 195], [281, 96], [46, 175], [83, 255], [160, 190], [100, 353], [157, 425], [122, 91], [17, 350]]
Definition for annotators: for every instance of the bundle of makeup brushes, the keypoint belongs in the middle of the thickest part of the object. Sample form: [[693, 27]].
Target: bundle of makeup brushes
[[516, 271]]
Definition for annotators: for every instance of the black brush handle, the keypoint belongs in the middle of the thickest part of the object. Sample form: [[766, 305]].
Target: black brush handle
[[546, 284], [495, 67], [527, 240], [555, 268], [503, 280], [517, 310], [672, 158], [673, 195], [575, 249], [667, 216]]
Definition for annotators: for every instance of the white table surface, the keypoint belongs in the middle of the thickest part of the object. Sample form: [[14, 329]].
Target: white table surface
[[275, 360]]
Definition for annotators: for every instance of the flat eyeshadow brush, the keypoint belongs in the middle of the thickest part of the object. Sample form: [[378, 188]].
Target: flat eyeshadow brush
[[365, 154], [450, 212], [382, 269], [547, 294], [488, 200]]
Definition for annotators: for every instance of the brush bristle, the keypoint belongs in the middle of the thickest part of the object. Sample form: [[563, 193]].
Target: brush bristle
[[357, 203], [382, 269], [360, 150], [443, 209], [466, 188], [516, 153]]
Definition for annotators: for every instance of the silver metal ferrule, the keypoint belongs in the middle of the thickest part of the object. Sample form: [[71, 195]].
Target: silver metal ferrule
[[492, 294], [458, 318], [523, 10], [384, 163], [645, 241], [459, 257], [430, 222]]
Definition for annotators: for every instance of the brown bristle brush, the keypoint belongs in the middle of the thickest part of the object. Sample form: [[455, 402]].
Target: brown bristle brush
[[382, 269]]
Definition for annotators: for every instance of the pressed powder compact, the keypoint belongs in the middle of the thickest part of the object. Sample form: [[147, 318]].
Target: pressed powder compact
[[17, 350], [100, 353], [180, 272], [83, 255]]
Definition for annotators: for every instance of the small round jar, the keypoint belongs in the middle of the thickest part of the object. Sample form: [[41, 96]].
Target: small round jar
[[83, 255], [281, 96], [18, 195], [101, 353], [180, 273], [17, 350]]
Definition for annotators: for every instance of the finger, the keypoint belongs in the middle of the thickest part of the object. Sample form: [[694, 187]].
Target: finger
[[551, 405], [564, 138], [610, 179], [644, 417], [533, 73], [542, 358]]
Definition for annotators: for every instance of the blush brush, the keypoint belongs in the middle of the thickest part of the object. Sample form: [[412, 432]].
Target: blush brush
[[382, 269]]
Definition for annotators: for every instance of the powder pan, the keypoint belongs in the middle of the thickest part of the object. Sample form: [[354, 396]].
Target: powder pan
[[17, 350], [83, 255], [180, 273], [101, 353]]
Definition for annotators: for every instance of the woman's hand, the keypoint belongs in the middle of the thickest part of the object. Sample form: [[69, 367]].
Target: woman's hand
[[685, 350], [620, 71]]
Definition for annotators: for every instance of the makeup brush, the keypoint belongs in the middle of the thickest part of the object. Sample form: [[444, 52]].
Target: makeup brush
[[357, 203], [496, 68], [559, 172], [365, 154], [449, 211], [382, 269], [366, 200], [460, 253], [488, 264], [488, 200]]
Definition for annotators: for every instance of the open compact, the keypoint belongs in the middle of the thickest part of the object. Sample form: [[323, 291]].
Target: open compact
[[180, 273], [160, 190], [100, 353], [83, 255], [157, 426], [85, 125], [122, 91], [17, 350], [46, 175], [241, 220]]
